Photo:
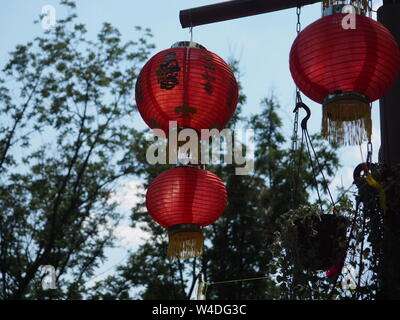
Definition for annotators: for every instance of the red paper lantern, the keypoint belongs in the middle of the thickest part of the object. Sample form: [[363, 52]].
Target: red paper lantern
[[345, 70], [187, 84], [184, 199]]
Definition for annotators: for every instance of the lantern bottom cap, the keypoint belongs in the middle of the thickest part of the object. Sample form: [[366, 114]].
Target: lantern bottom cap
[[185, 241], [346, 118]]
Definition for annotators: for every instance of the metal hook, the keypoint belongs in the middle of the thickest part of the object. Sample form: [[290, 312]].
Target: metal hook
[[307, 117]]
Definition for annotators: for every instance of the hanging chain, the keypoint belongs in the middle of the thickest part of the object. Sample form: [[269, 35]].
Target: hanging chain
[[369, 153], [298, 29], [369, 149], [294, 178], [370, 8], [295, 127], [298, 96], [296, 121], [298, 25]]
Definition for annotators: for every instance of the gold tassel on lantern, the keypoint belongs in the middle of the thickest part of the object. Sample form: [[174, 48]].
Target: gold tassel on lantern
[[185, 241], [346, 118]]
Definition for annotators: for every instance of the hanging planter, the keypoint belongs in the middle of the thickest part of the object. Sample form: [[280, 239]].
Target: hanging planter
[[345, 69], [321, 238], [183, 200], [187, 84]]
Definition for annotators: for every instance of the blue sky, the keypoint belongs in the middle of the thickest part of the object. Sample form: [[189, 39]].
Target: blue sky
[[262, 43]]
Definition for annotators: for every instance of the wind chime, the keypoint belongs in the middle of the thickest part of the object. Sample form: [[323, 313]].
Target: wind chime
[[345, 62], [197, 89]]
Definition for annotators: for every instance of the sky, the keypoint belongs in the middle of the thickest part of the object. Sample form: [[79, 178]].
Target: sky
[[261, 43]]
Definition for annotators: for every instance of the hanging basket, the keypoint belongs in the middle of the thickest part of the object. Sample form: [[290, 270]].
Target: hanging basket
[[320, 241]]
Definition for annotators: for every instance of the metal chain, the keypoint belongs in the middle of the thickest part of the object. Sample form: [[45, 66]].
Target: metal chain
[[369, 152], [370, 8], [369, 149], [298, 25], [298, 96], [298, 30], [295, 127], [294, 151]]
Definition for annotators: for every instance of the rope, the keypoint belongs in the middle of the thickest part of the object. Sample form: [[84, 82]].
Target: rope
[[107, 270], [238, 280], [314, 174], [320, 170], [310, 147], [206, 284]]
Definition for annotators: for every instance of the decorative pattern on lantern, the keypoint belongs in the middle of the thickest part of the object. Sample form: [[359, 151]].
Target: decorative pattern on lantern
[[183, 200], [345, 70], [187, 84]]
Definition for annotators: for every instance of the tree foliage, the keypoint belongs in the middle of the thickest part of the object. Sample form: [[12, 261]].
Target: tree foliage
[[66, 107]]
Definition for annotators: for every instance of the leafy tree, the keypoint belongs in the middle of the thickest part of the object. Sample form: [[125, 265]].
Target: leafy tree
[[66, 105]]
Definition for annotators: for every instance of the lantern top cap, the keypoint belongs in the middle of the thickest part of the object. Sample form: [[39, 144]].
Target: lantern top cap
[[188, 44], [360, 7]]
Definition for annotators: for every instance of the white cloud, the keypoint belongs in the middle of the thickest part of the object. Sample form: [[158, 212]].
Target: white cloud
[[130, 237], [344, 179], [128, 194]]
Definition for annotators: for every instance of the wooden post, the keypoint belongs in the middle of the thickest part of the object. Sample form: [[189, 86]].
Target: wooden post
[[389, 271]]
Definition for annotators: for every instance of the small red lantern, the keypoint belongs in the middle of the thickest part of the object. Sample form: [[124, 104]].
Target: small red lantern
[[345, 70], [187, 84], [184, 199]]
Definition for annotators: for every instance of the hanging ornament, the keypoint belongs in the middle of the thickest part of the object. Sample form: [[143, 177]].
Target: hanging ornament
[[183, 200], [345, 68], [187, 84]]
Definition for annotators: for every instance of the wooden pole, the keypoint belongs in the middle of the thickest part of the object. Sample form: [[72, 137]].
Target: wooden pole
[[235, 9], [389, 271]]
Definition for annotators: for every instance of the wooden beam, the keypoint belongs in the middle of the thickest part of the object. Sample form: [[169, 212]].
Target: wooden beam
[[235, 9]]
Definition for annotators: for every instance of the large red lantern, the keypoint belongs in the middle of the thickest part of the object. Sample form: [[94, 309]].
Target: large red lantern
[[187, 84], [183, 200], [345, 69]]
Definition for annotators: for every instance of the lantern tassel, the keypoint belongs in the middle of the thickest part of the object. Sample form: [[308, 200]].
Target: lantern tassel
[[185, 242], [346, 120]]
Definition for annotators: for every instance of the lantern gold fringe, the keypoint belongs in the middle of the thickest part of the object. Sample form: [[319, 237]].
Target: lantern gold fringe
[[346, 122], [185, 245]]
